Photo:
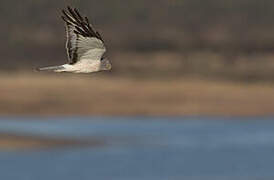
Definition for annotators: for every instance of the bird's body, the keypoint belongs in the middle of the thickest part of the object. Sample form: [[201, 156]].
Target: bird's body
[[85, 46], [84, 66]]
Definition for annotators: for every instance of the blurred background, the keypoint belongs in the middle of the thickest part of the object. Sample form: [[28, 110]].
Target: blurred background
[[190, 95]]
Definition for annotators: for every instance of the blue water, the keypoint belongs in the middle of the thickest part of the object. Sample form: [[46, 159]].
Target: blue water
[[144, 148]]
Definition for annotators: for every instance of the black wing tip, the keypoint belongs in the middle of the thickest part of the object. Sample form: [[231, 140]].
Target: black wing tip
[[69, 8], [72, 17], [64, 15], [76, 10], [72, 13]]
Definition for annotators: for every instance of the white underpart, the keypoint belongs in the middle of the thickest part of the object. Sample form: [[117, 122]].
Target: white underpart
[[82, 66]]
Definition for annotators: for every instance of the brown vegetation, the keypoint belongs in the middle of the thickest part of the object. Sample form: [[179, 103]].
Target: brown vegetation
[[46, 94]]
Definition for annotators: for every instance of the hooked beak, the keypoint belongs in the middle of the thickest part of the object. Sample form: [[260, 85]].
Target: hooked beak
[[108, 66]]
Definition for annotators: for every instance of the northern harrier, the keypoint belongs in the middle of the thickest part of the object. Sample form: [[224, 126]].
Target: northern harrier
[[85, 46]]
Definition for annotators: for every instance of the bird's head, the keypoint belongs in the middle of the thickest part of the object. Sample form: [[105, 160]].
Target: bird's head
[[105, 64]]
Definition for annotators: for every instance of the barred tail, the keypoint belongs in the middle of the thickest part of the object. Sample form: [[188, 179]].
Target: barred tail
[[51, 68]]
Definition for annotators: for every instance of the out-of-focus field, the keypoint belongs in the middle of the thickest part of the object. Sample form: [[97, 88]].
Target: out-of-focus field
[[175, 57], [103, 94]]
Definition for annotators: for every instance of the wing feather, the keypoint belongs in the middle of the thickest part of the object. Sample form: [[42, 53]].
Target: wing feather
[[83, 41]]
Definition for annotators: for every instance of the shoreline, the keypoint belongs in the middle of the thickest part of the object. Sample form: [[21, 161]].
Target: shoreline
[[24, 142]]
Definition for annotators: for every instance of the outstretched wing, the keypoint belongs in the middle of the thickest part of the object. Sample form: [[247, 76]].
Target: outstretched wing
[[83, 41]]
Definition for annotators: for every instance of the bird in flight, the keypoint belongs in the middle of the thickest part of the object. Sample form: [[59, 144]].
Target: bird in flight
[[85, 46]]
